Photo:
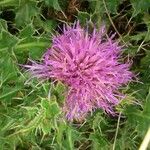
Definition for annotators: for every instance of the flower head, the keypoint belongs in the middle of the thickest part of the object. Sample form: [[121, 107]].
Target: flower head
[[89, 65]]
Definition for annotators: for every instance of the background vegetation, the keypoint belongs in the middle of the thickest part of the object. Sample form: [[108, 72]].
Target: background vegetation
[[30, 117]]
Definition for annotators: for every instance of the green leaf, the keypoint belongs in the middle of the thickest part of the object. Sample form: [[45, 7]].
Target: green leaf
[[3, 25], [34, 123], [51, 108], [47, 25], [83, 17], [60, 131], [6, 3], [99, 6], [98, 141], [54, 4], [71, 136], [7, 93], [60, 90], [8, 69], [140, 6], [7, 40], [26, 32], [112, 5], [145, 122], [34, 45], [25, 13], [140, 118], [46, 126]]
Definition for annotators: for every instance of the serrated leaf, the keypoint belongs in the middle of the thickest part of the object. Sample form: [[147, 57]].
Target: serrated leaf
[[25, 13], [54, 4], [7, 40], [112, 5], [6, 3], [140, 6], [51, 108], [99, 6], [46, 126], [8, 70], [7, 93], [98, 142], [48, 25], [140, 118], [3, 25], [26, 32], [34, 45], [34, 123], [83, 17]]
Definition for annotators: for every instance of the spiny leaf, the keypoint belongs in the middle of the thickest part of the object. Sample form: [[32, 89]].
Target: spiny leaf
[[54, 4], [25, 13], [7, 40], [140, 6]]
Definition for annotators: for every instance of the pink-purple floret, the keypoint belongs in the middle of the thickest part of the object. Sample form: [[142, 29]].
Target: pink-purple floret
[[89, 65]]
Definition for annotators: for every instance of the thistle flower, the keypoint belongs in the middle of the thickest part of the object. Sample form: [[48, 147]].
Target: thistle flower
[[89, 65]]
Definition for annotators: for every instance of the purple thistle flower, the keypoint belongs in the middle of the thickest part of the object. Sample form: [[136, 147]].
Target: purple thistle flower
[[89, 65]]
